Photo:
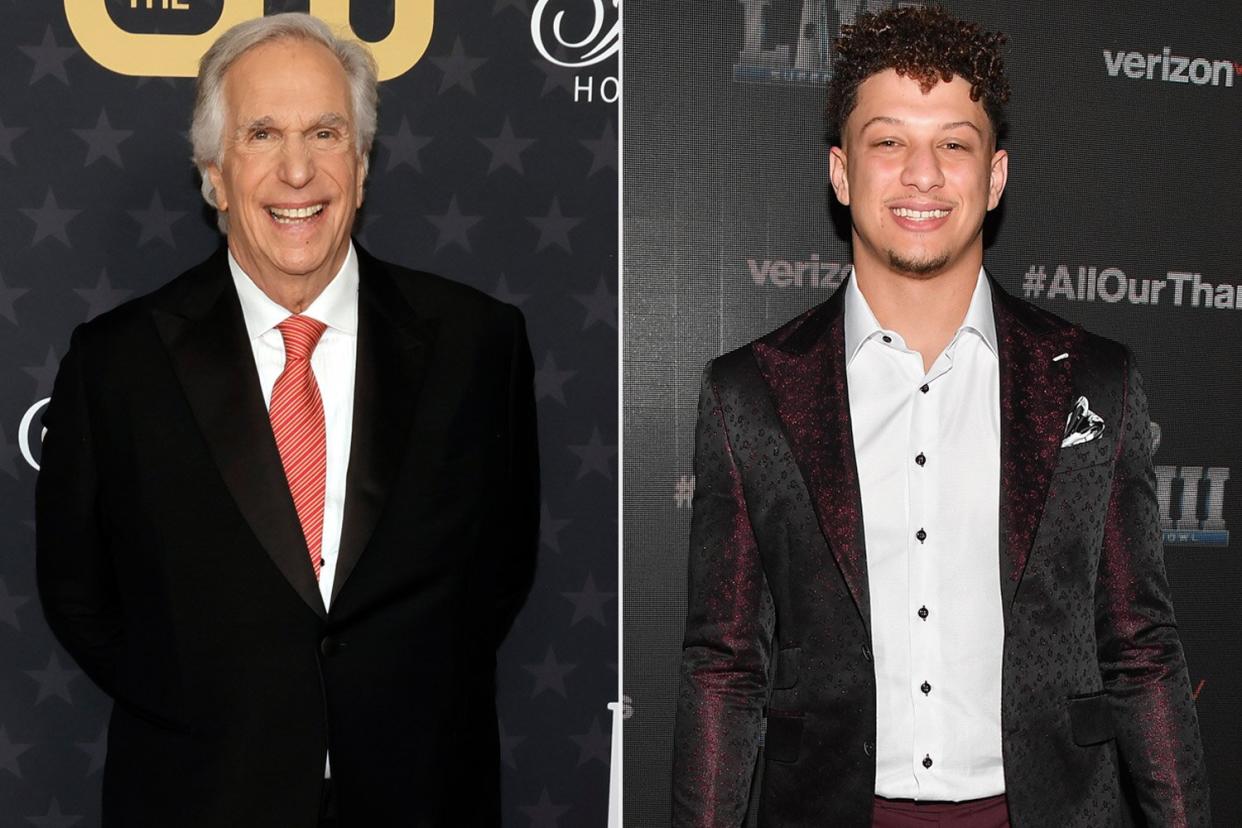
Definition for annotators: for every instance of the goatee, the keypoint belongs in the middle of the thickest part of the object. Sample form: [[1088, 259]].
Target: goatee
[[917, 267]]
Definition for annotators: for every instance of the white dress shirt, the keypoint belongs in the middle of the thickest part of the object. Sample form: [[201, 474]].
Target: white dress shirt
[[927, 446], [332, 362]]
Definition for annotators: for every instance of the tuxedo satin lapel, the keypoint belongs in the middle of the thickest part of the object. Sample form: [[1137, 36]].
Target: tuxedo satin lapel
[[393, 347], [1034, 402], [804, 368], [206, 338]]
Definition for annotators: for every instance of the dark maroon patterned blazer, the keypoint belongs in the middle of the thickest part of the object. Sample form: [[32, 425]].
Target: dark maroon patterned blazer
[[776, 716]]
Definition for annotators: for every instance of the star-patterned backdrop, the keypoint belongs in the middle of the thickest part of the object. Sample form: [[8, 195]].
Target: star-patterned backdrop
[[493, 166]]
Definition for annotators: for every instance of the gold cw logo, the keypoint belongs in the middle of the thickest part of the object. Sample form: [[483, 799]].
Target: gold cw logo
[[173, 55]]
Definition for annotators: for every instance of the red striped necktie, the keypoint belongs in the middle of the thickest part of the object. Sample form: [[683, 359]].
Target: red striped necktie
[[297, 423]]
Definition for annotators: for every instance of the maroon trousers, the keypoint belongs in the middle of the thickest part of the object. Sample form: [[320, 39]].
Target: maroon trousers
[[992, 812]]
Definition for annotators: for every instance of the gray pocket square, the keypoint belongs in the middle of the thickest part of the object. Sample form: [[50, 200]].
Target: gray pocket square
[[1083, 425]]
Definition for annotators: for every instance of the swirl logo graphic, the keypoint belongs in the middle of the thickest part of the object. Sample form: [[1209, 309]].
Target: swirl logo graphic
[[599, 44], [24, 435]]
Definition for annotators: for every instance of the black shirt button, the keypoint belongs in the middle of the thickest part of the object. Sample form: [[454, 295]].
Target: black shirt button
[[925, 687], [923, 613], [921, 459], [887, 338], [925, 388], [921, 535], [927, 762]]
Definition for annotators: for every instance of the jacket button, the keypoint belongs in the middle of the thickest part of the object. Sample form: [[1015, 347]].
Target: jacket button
[[330, 646], [866, 653], [868, 747], [927, 762]]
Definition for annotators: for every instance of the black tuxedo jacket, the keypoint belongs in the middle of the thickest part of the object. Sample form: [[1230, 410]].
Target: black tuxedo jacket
[[1098, 724], [172, 565]]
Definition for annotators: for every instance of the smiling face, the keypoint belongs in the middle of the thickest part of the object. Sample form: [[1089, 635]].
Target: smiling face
[[291, 179], [918, 171]]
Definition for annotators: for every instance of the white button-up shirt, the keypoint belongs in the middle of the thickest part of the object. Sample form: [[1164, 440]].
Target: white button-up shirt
[[927, 446]]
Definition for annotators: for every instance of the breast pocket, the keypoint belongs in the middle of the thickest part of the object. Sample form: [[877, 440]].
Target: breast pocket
[[1085, 455]]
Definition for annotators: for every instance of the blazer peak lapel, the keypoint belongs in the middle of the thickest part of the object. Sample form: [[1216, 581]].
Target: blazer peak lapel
[[805, 371], [394, 345], [1035, 392], [205, 335]]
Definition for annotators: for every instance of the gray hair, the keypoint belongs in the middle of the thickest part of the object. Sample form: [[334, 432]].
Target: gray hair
[[207, 126]]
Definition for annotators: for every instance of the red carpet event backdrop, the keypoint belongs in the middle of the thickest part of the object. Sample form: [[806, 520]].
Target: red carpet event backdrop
[[1123, 141], [495, 164]]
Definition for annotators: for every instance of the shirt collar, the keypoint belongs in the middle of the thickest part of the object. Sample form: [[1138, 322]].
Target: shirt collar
[[861, 324], [979, 316], [336, 306]]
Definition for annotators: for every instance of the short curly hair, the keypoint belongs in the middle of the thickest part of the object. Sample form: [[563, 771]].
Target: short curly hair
[[926, 44]]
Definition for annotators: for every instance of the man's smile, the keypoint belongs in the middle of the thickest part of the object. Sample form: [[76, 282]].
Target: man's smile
[[919, 215], [296, 215]]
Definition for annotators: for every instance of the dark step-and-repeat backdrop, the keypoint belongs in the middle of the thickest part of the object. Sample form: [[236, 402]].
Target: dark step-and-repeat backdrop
[[495, 164], [1126, 123]]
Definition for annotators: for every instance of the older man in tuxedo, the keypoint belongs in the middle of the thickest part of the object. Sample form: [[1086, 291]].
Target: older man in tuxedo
[[926, 579], [288, 501]]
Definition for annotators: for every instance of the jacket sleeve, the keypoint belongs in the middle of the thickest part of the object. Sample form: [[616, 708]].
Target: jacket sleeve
[[728, 637], [76, 581], [1140, 655], [520, 533]]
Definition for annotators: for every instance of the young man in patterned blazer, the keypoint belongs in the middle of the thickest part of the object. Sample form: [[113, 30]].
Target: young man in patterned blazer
[[926, 579]]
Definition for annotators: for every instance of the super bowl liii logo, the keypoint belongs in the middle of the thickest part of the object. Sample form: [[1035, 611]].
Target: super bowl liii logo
[[1192, 502], [790, 41]]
